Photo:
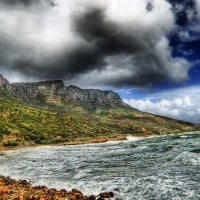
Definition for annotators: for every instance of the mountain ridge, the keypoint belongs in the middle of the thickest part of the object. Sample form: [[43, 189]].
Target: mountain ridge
[[56, 93]]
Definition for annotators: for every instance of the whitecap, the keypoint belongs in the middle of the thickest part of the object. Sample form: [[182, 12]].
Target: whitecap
[[131, 138], [187, 158], [183, 136], [114, 142]]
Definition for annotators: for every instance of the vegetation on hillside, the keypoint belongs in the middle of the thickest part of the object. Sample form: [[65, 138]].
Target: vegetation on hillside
[[24, 124]]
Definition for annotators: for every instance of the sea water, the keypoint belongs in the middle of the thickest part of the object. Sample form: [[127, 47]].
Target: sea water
[[165, 167]]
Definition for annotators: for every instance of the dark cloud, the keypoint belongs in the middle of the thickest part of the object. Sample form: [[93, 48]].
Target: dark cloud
[[185, 11], [26, 5], [25, 2], [13, 3], [149, 6], [107, 36], [109, 39], [67, 65], [117, 53]]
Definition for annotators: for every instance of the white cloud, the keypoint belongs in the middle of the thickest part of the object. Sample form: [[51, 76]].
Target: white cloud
[[181, 103]]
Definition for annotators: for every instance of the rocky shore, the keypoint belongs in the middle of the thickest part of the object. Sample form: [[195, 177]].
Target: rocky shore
[[11, 189]]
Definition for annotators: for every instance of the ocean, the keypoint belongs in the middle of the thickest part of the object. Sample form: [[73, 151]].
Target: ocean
[[154, 168]]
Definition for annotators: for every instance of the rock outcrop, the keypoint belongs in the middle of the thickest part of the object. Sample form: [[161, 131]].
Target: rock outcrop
[[23, 190], [54, 92], [4, 84]]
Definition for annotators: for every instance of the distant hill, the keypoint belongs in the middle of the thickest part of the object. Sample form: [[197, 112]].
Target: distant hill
[[49, 112]]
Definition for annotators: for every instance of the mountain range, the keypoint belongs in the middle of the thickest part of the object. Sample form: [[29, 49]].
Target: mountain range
[[49, 112], [55, 93]]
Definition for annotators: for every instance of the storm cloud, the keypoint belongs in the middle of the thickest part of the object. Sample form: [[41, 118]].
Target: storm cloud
[[102, 42]]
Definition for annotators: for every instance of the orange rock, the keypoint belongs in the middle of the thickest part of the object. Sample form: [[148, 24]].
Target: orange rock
[[21, 198], [4, 190], [75, 195], [11, 189]]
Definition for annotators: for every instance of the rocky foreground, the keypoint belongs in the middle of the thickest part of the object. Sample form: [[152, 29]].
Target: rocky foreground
[[11, 189]]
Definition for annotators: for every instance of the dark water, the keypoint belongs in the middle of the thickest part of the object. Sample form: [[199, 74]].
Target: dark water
[[165, 167]]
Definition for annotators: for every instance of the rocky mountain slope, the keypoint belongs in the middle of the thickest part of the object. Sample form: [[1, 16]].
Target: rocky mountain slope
[[54, 92], [26, 118]]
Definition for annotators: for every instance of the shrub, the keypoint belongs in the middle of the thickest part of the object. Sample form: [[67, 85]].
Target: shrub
[[10, 143]]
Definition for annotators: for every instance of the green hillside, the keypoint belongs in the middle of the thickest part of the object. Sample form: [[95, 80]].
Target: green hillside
[[24, 124]]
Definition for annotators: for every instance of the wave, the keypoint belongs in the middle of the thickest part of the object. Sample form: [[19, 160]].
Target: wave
[[187, 158], [132, 138]]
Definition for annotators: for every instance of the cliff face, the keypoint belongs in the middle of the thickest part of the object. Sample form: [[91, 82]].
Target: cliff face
[[93, 97], [4, 84], [56, 93], [41, 92]]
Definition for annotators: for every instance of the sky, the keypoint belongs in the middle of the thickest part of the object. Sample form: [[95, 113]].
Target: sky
[[146, 50]]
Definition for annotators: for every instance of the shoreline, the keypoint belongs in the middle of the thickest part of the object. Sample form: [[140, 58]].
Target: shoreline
[[77, 142], [97, 140], [22, 190]]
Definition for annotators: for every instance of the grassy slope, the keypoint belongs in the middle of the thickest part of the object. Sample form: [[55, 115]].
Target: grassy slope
[[21, 123]]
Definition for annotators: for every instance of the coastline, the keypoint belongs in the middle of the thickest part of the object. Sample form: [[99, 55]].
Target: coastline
[[80, 141], [22, 189], [76, 142]]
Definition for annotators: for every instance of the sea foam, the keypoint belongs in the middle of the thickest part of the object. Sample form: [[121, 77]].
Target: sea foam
[[132, 138]]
